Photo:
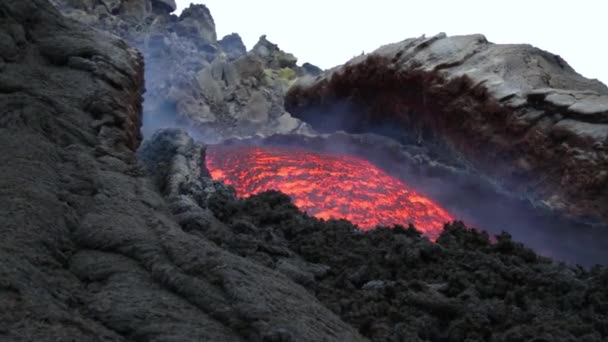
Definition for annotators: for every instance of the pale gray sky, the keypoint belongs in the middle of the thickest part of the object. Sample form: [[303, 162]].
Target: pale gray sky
[[329, 32]]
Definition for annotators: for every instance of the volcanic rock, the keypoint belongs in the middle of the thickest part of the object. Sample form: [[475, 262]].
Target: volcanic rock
[[274, 57], [196, 22], [516, 113], [164, 6], [100, 242], [181, 92], [391, 284], [312, 69], [233, 46], [90, 250]]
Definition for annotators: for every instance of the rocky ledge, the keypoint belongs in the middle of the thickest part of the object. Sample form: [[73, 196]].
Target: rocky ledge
[[520, 115]]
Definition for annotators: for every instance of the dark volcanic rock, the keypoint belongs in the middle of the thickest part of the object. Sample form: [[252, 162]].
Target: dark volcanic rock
[[90, 250], [196, 22], [164, 6], [391, 284], [516, 113]]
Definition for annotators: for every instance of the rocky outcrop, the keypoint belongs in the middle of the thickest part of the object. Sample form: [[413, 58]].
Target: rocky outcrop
[[195, 23], [233, 46], [272, 56], [516, 113], [90, 250], [311, 69], [213, 88]]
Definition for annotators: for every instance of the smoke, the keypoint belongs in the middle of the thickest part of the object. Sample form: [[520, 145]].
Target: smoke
[[167, 87], [166, 116]]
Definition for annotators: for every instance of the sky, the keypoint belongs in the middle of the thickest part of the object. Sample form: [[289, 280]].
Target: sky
[[330, 32]]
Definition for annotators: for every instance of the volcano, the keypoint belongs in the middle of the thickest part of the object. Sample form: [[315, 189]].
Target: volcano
[[327, 186]]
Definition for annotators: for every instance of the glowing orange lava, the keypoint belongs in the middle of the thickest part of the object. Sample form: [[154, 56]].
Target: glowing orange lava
[[327, 186]]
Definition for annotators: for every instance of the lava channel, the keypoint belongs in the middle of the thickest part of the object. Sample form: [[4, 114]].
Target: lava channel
[[327, 186]]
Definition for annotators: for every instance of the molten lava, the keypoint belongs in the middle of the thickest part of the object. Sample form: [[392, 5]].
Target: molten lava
[[327, 186]]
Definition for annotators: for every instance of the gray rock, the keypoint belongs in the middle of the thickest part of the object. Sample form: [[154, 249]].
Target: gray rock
[[164, 6], [506, 102], [257, 109], [311, 69], [233, 46], [224, 72], [210, 87], [274, 57], [196, 22], [582, 130]]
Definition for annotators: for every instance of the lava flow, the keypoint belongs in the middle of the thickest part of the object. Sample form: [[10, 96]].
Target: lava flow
[[327, 186]]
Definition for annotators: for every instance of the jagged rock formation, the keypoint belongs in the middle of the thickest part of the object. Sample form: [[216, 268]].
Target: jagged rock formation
[[391, 284], [193, 80], [272, 55], [233, 46], [520, 115], [90, 250]]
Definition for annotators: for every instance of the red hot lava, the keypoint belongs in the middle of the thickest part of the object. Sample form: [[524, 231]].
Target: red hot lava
[[327, 186]]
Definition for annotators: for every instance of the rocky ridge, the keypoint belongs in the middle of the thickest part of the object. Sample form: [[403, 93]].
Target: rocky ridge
[[213, 87], [520, 115]]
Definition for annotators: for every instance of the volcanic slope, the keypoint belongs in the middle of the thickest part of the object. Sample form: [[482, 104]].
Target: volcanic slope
[[392, 284], [89, 250], [93, 248]]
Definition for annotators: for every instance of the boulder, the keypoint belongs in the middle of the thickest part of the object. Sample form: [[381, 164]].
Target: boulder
[[196, 22], [311, 69], [257, 108], [272, 56]]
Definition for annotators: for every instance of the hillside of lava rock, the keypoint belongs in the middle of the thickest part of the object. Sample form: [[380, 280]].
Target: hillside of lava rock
[[161, 184]]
